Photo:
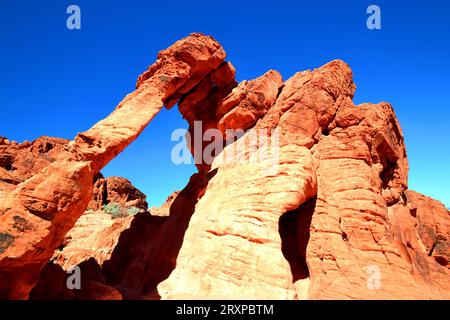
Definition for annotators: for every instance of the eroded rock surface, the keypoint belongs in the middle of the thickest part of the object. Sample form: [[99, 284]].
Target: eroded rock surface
[[51, 201], [20, 161], [311, 203], [95, 235], [116, 190], [342, 169]]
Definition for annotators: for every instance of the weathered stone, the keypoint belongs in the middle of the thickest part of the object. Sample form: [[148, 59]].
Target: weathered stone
[[311, 203], [54, 198]]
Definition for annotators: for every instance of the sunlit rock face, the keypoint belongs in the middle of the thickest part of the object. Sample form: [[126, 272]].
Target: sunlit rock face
[[311, 201], [51, 201]]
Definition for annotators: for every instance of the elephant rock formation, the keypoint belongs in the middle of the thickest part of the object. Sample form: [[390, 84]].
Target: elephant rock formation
[[314, 203]]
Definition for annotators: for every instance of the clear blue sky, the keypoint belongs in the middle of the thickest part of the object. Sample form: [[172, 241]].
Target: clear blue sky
[[58, 82]]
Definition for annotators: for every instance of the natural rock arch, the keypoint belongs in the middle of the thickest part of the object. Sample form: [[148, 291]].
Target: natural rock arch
[[350, 161]]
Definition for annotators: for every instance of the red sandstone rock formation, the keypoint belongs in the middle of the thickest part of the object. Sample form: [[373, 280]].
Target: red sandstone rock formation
[[116, 190], [19, 162], [96, 233], [51, 201], [317, 207]]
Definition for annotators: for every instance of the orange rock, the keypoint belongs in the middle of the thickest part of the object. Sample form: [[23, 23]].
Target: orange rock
[[97, 232], [341, 180], [51, 201], [432, 224], [316, 206], [249, 102], [95, 235], [19, 162], [116, 190]]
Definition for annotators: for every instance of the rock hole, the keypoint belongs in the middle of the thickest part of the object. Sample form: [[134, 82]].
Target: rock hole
[[6, 161], [294, 228], [387, 174], [441, 260]]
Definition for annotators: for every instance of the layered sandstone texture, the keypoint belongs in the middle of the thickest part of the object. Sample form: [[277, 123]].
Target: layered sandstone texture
[[36, 214], [309, 201]]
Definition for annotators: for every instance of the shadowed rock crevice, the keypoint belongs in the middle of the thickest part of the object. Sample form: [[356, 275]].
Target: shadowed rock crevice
[[294, 228], [52, 284], [146, 253], [387, 173], [144, 256]]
